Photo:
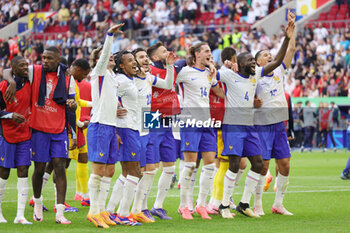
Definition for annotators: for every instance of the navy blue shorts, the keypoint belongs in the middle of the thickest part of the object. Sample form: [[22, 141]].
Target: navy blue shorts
[[144, 141], [179, 153], [273, 141], [102, 143], [161, 146], [46, 146], [14, 154], [198, 139], [240, 140], [130, 150]]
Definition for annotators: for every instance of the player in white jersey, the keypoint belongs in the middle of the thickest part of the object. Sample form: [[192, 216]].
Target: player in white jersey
[[101, 134], [195, 83], [144, 82], [269, 122], [239, 135]]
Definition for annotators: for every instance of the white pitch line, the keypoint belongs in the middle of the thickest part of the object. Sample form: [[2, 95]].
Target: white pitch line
[[236, 193]]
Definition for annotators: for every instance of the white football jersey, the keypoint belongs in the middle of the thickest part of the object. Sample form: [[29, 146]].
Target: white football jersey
[[104, 90], [271, 90], [128, 99], [240, 92], [194, 88]]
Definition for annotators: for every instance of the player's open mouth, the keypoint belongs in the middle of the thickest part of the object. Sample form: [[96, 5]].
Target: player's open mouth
[[134, 68], [253, 68]]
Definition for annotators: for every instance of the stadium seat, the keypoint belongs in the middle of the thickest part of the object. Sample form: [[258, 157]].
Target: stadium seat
[[341, 16], [331, 17], [339, 25], [322, 16], [326, 25]]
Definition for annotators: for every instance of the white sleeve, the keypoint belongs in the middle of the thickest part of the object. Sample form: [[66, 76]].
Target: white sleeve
[[101, 66], [71, 91], [214, 82], [181, 77], [166, 83], [259, 72], [31, 73], [223, 75]]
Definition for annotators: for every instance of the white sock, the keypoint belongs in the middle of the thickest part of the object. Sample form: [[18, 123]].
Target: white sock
[[117, 194], [259, 191], [45, 179], [85, 195], [142, 190], [181, 167], [128, 194], [282, 184], [2, 191], [104, 190], [276, 181], [229, 186], [94, 190], [192, 184], [55, 193], [239, 176], [212, 184], [186, 182], [251, 182], [164, 185], [60, 209], [144, 203], [205, 182], [22, 188]]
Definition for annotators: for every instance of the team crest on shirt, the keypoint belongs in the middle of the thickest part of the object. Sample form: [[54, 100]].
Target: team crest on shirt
[[33, 153], [209, 78], [276, 78], [230, 147], [2, 159], [187, 144], [253, 80], [133, 154], [101, 155]]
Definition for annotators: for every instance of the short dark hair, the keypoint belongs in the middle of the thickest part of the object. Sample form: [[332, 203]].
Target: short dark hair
[[257, 55], [118, 57], [15, 60], [227, 54], [82, 63], [54, 49], [151, 50], [307, 101], [135, 51]]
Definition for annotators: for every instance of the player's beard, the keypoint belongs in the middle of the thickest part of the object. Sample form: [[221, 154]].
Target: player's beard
[[248, 70]]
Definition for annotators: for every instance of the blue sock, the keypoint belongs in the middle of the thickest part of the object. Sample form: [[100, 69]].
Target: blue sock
[[347, 167]]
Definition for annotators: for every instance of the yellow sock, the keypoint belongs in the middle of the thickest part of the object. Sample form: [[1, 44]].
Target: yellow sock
[[77, 181], [219, 180], [83, 176]]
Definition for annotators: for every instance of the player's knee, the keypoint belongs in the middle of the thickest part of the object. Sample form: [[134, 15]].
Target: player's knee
[[83, 158], [110, 171], [234, 167], [22, 171], [4, 173], [257, 166], [243, 164]]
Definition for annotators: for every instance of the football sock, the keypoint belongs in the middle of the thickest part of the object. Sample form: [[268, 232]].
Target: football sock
[[282, 184], [181, 167], [104, 190], [128, 194], [219, 180], [150, 174], [83, 177], [192, 184], [205, 182], [45, 179], [164, 185], [60, 209], [142, 190], [239, 176], [117, 194], [186, 182], [2, 191], [251, 182], [259, 191], [22, 189], [229, 185], [94, 189]]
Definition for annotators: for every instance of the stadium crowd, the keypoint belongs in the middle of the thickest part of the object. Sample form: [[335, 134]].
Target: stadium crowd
[[320, 65]]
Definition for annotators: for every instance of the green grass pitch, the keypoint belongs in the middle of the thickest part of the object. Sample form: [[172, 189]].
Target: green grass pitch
[[319, 199]]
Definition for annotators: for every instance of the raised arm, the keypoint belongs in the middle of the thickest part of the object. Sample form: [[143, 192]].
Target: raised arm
[[282, 52], [102, 63], [168, 82], [290, 52]]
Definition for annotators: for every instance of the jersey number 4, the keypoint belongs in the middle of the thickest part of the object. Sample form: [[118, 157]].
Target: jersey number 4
[[246, 97], [204, 92]]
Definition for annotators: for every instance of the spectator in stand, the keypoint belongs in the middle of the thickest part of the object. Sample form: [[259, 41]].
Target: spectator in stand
[[298, 90], [298, 132], [50, 42], [74, 23], [14, 10], [332, 88], [313, 93], [321, 32], [63, 15], [101, 18]]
